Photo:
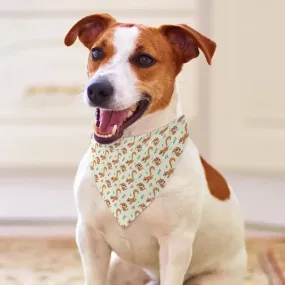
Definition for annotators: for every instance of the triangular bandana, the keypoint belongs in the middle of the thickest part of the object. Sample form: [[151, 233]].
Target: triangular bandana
[[131, 172]]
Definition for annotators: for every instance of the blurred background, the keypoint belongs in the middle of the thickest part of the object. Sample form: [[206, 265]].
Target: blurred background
[[236, 107]]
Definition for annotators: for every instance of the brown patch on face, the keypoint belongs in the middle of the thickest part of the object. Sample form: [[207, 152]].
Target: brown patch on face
[[105, 42], [216, 182], [158, 79], [171, 47]]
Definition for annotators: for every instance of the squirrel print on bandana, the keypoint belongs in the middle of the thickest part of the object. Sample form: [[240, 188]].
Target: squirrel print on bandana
[[131, 172]]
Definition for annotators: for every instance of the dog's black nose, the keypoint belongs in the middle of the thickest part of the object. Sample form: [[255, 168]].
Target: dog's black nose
[[99, 91]]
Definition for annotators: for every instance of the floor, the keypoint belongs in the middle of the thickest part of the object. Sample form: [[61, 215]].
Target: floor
[[55, 261]]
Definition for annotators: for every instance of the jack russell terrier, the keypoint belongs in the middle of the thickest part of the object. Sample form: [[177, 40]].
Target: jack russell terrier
[[143, 193]]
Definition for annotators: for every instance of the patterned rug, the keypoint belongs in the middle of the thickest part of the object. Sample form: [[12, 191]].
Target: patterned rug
[[57, 262]]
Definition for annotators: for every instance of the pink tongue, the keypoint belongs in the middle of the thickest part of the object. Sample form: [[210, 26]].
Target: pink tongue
[[110, 118]]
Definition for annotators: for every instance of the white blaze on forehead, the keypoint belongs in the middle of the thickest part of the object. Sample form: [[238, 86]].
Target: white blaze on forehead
[[118, 70], [124, 41], [121, 73]]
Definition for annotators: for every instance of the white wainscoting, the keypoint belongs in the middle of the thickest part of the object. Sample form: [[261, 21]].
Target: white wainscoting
[[35, 195]]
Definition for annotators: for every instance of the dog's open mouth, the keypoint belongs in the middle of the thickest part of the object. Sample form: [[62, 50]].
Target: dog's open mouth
[[110, 124]]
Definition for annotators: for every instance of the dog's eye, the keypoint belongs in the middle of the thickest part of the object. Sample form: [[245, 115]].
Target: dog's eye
[[143, 60], [97, 53]]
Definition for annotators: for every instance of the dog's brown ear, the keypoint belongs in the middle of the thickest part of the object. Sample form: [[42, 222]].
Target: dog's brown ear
[[88, 29], [186, 42]]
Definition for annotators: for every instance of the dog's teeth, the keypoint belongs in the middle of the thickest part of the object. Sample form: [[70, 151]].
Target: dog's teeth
[[105, 136], [114, 130], [133, 108], [130, 113], [98, 135]]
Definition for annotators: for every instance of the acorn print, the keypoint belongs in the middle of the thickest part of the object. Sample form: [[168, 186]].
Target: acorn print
[[123, 186], [131, 172], [157, 161], [141, 186], [177, 151], [108, 183], [124, 206], [123, 168], [155, 141], [139, 148], [161, 182], [174, 130], [139, 166]]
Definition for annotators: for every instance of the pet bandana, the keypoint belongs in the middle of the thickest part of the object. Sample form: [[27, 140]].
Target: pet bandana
[[131, 172]]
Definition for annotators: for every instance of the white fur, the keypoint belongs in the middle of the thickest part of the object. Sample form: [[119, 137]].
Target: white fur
[[118, 71], [154, 121], [184, 233]]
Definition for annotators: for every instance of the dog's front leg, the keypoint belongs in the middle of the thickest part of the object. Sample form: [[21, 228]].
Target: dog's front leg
[[174, 257], [95, 254]]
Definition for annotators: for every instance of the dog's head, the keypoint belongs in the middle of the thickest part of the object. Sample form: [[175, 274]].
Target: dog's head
[[132, 68]]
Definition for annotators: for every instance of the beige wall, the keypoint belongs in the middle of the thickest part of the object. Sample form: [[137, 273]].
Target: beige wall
[[247, 94]]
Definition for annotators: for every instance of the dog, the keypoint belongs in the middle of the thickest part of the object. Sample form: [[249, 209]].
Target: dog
[[192, 233]]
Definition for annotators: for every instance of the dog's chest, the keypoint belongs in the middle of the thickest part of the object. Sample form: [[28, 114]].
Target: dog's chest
[[92, 210], [137, 243]]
